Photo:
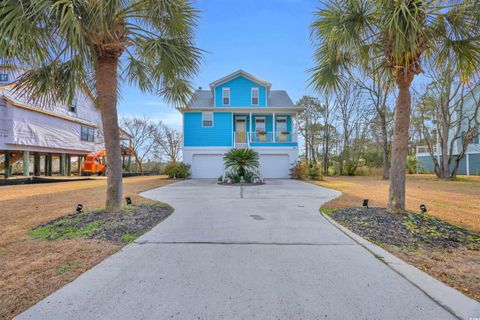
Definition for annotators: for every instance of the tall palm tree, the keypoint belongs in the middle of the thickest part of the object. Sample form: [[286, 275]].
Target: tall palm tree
[[91, 44], [404, 34]]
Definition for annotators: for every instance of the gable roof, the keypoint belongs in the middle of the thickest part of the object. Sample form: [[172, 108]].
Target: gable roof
[[276, 99], [240, 73], [201, 99], [279, 98]]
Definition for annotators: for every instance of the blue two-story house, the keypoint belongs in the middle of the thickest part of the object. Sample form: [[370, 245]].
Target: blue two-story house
[[240, 111]]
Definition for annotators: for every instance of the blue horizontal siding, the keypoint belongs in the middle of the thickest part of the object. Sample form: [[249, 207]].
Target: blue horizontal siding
[[241, 93], [474, 163], [220, 135], [426, 165]]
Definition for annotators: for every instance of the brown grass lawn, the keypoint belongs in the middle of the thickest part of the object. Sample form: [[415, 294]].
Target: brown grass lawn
[[457, 202], [30, 269]]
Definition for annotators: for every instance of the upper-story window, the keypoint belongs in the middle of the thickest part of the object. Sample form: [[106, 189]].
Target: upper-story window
[[3, 77], [255, 94], [207, 119], [226, 96], [73, 106], [87, 134]]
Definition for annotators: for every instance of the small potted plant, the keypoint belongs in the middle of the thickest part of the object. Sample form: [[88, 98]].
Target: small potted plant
[[262, 135]]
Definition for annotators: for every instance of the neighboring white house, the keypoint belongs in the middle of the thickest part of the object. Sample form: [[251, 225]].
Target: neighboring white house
[[30, 130], [470, 164], [241, 111]]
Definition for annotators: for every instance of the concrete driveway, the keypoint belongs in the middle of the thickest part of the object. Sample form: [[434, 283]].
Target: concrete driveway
[[260, 252]]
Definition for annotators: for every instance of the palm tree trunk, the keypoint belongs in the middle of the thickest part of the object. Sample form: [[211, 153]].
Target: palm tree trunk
[[106, 86], [396, 198]]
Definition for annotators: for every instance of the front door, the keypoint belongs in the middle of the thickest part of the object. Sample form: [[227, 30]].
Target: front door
[[240, 130]]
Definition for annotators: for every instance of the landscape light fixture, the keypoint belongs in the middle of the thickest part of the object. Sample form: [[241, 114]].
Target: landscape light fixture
[[129, 200], [365, 203], [79, 208], [423, 208]]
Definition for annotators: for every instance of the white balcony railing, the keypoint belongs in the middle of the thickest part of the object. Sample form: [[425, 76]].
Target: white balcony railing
[[424, 149], [245, 139]]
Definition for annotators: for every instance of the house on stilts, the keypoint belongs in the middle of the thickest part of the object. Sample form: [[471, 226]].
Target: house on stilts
[[47, 139]]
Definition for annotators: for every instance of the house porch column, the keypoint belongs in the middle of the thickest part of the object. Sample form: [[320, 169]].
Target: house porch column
[[6, 164], [36, 164], [250, 130], [26, 163], [62, 164], [467, 159], [69, 165], [274, 127]]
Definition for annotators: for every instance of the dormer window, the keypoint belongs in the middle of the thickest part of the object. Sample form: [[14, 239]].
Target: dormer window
[[255, 96], [3, 77], [226, 96]]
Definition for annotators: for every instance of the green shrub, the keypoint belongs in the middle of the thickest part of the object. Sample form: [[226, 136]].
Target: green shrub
[[412, 164], [178, 170], [241, 161], [368, 171], [314, 172], [248, 177], [299, 170]]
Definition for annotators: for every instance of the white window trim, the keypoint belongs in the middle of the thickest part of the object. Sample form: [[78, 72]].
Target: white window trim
[[225, 89], [255, 89], [207, 112], [283, 120], [264, 123]]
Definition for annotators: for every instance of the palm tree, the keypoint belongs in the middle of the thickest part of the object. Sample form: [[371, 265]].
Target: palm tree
[[91, 44], [405, 34], [241, 160]]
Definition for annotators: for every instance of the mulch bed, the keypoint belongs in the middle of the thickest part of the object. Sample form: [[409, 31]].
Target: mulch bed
[[244, 184], [133, 221], [409, 230]]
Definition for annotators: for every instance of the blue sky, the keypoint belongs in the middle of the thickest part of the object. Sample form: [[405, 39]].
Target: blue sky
[[268, 38]]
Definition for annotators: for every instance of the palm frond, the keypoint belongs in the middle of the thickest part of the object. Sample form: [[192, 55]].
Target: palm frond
[[341, 32], [56, 39], [55, 82]]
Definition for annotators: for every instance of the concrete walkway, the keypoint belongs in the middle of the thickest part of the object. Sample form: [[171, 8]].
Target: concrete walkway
[[260, 252]]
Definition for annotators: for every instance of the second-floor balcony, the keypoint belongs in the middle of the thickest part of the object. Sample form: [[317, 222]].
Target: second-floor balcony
[[263, 129], [425, 150], [259, 138]]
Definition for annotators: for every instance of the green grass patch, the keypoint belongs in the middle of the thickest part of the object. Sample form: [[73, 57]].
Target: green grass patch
[[65, 229], [64, 268], [130, 237], [328, 211]]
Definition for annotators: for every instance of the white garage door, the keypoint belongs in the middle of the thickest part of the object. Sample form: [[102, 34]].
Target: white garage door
[[207, 166], [274, 166]]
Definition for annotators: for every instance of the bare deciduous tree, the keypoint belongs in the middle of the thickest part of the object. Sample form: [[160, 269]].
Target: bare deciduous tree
[[452, 108], [309, 126], [327, 112], [169, 140], [354, 117], [377, 89], [143, 131]]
